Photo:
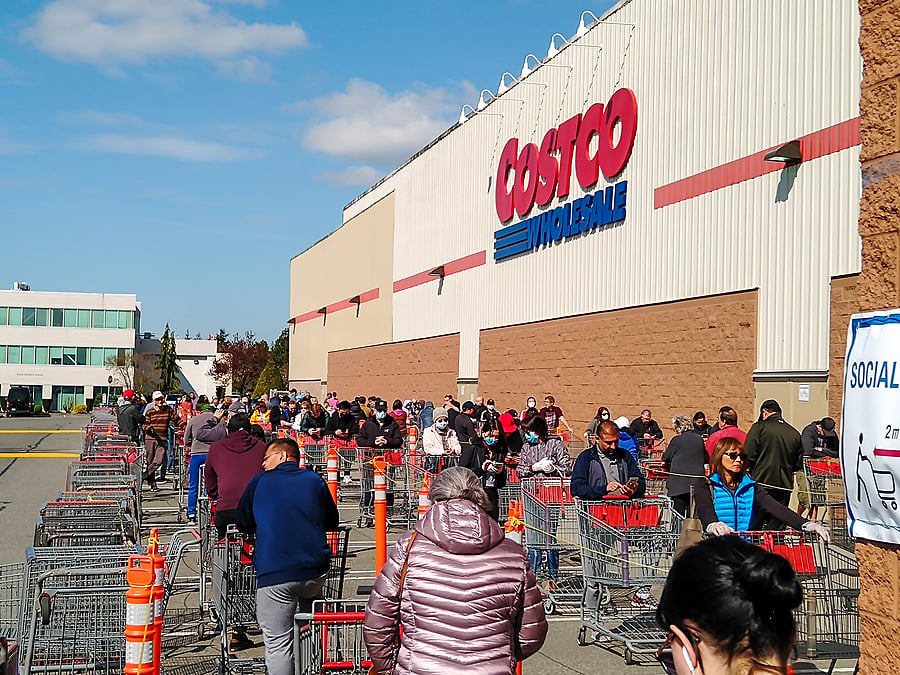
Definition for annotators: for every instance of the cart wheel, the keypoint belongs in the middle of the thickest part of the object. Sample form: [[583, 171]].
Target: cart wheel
[[582, 636], [549, 606], [629, 657], [359, 522], [894, 505], [201, 630]]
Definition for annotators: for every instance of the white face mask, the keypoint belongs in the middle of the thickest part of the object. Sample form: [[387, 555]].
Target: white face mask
[[442, 423]]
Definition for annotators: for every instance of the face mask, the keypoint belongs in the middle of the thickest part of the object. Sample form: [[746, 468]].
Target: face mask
[[532, 404], [381, 414], [490, 407], [442, 424], [604, 416], [531, 437], [491, 441]]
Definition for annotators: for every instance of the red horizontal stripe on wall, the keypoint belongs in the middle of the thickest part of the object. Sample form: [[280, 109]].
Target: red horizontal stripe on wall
[[812, 146], [453, 267], [336, 307]]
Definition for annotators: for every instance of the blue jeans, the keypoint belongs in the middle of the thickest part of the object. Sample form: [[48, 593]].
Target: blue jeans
[[536, 557], [194, 482]]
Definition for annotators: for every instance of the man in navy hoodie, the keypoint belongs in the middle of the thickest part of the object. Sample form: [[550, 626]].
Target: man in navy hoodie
[[290, 510]]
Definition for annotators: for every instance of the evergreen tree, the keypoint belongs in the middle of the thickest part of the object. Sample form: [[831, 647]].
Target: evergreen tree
[[167, 364], [279, 354], [269, 378]]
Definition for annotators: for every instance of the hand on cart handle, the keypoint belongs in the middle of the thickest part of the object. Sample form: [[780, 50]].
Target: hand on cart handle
[[817, 528], [719, 529]]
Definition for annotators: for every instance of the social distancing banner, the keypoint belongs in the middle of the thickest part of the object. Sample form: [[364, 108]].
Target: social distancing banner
[[870, 426]]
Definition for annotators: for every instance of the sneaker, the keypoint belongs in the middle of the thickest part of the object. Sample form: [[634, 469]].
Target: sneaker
[[154, 488], [162, 480], [347, 480], [192, 520]]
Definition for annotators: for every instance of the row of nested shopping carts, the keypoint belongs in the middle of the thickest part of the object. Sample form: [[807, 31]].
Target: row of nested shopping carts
[[63, 609]]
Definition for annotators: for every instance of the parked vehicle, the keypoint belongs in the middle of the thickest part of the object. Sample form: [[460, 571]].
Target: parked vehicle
[[19, 402]]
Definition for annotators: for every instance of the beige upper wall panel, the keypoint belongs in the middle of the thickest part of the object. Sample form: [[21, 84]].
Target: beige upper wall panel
[[353, 260]]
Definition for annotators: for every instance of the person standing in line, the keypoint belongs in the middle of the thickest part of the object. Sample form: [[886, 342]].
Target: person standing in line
[[529, 409], [553, 416], [399, 414], [685, 456], [199, 451], [283, 506], [603, 415], [701, 426], [774, 454], [440, 443], [819, 439], [156, 440], [727, 428], [486, 457], [627, 441], [645, 429], [460, 592]]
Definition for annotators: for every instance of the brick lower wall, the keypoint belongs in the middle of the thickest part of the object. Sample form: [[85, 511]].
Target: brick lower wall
[[844, 303], [674, 358], [879, 288], [419, 368]]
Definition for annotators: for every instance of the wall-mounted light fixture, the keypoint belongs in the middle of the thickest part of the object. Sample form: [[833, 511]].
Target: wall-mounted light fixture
[[463, 117], [438, 272], [324, 312], [482, 103], [502, 88], [553, 50], [789, 153], [526, 70], [355, 300], [582, 26]]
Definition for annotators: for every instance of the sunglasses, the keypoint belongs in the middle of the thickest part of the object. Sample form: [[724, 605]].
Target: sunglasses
[[734, 456], [666, 657]]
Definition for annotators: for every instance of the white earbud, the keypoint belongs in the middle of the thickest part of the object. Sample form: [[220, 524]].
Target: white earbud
[[687, 658]]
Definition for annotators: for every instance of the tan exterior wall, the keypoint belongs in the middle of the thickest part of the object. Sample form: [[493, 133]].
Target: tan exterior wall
[[879, 288], [419, 368], [354, 259], [675, 358], [844, 302]]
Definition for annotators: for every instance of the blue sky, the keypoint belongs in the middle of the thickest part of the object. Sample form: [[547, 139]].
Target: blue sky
[[185, 150]]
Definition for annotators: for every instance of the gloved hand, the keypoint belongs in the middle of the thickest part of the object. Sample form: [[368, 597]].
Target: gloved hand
[[817, 528], [544, 465], [718, 529]]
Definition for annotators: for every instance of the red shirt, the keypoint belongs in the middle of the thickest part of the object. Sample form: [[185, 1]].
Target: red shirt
[[551, 414]]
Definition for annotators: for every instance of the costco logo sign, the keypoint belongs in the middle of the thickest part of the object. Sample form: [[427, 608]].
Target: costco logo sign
[[536, 175]]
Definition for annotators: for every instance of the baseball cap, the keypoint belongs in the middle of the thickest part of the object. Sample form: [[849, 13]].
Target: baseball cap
[[468, 405], [128, 394], [507, 423], [827, 424], [622, 422], [157, 395], [381, 405]]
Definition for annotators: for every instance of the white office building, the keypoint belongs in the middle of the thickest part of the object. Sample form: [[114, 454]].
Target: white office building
[[58, 344]]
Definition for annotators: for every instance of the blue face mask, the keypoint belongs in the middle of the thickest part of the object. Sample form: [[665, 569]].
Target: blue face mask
[[381, 414], [490, 407], [531, 437], [491, 441]]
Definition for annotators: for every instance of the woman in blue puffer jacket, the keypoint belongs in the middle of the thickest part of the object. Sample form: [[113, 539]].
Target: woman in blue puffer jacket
[[730, 500]]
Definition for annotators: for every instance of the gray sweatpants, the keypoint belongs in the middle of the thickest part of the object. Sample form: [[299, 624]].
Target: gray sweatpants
[[275, 609]]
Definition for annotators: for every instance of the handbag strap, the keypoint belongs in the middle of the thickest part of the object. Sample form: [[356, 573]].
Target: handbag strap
[[693, 507], [406, 564]]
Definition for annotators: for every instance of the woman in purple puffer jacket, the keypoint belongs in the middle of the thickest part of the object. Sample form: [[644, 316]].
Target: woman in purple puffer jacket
[[464, 620]]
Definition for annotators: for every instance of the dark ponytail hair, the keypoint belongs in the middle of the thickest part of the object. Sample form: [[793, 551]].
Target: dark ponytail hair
[[739, 596]]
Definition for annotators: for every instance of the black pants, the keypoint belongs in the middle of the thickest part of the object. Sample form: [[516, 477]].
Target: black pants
[[223, 519], [681, 504], [768, 522]]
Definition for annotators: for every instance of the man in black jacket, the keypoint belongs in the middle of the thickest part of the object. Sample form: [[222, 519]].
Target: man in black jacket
[[645, 428], [129, 417], [381, 435]]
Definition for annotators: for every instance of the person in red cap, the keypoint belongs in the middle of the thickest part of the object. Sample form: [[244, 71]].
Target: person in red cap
[[509, 428], [128, 416]]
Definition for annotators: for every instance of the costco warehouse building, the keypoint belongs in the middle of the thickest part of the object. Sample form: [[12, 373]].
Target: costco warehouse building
[[607, 227]]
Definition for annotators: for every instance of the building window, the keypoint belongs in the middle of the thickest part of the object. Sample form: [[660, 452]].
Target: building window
[[42, 316], [97, 318], [2, 353], [84, 318], [124, 319], [69, 356], [28, 316], [81, 356], [55, 356], [27, 357], [13, 353], [56, 318], [97, 356], [70, 318], [15, 316], [41, 356], [4, 314]]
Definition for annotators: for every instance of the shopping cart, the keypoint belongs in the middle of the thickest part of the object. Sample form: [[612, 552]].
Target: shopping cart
[[12, 576], [551, 529], [86, 530], [75, 623], [627, 547], [824, 481], [656, 474], [828, 617], [330, 639], [840, 534]]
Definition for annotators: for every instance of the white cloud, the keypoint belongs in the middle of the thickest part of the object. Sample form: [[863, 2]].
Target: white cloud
[[249, 69], [110, 32], [366, 123], [173, 147], [353, 175]]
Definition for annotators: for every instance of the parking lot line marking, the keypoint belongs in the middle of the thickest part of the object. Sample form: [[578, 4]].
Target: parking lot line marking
[[40, 431], [39, 455]]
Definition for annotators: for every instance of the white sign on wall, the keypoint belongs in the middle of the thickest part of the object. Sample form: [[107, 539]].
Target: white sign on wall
[[870, 426]]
